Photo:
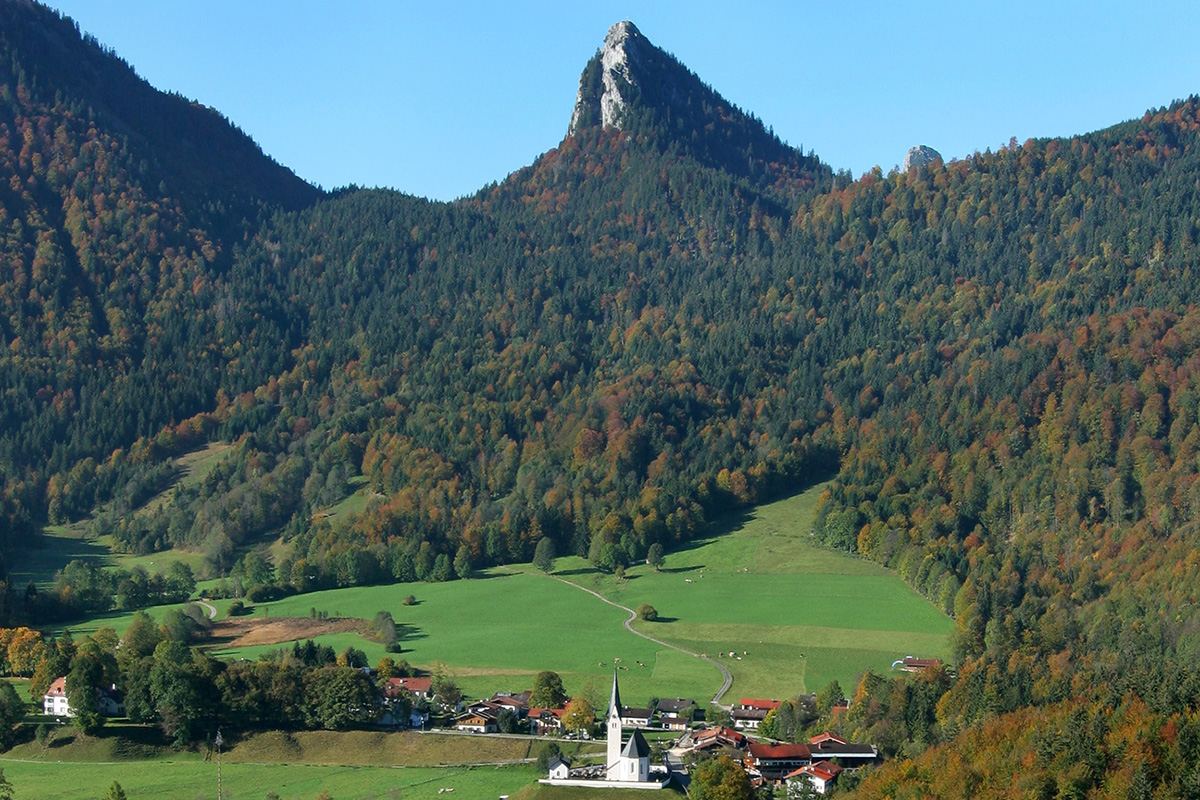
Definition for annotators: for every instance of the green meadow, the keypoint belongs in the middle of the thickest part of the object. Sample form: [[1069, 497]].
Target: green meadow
[[794, 614], [195, 779]]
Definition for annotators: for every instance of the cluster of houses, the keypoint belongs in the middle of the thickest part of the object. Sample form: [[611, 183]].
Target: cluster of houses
[[483, 716]]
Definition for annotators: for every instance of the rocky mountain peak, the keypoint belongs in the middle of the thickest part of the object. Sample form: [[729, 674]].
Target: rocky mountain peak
[[919, 156], [617, 62]]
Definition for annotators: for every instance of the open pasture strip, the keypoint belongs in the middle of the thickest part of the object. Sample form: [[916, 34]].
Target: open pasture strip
[[190, 780]]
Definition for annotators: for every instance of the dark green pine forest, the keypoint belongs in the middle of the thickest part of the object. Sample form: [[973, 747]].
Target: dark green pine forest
[[994, 359]]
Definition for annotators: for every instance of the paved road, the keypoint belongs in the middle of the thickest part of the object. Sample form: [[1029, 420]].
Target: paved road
[[212, 610], [716, 699]]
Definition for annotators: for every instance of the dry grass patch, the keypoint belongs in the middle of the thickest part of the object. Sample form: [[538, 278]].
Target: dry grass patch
[[251, 631]]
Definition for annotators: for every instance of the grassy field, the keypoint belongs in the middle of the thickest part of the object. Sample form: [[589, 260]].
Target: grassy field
[[356, 764], [196, 779], [498, 632], [795, 615]]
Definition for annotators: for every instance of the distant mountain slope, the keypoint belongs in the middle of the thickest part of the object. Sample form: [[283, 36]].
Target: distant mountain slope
[[193, 149], [119, 206]]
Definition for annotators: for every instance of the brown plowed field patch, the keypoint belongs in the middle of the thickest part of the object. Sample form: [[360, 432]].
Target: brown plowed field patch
[[246, 632]]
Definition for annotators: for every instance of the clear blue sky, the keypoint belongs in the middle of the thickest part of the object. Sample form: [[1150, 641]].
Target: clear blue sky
[[440, 98]]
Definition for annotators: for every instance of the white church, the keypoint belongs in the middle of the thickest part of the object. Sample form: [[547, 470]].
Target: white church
[[627, 765]]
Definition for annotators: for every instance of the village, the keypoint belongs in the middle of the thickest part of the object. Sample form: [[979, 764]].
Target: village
[[685, 733]]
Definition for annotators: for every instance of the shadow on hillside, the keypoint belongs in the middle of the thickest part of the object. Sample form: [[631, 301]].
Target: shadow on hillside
[[676, 570], [409, 633], [50, 553], [661, 618], [564, 573]]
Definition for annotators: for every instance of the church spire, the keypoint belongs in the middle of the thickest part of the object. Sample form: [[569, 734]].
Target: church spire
[[614, 701]]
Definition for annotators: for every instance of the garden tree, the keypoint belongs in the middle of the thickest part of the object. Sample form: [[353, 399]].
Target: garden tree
[[115, 792], [446, 691], [339, 697], [177, 691], [829, 697], [579, 715], [140, 639], [544, 554], [12, 712], [42, 733], [547, 691], [507, 721], [647, 612], [547, 753], [85, 676], [6, 788], [654, 556], [720, 778]]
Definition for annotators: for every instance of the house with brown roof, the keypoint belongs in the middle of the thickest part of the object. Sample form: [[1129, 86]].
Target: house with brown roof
[[913, 664], [772, 762], [676, 713], [714, 738]]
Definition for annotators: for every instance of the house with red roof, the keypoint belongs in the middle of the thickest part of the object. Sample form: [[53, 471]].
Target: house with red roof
[[820, 776], [749, 713], [546, 720]]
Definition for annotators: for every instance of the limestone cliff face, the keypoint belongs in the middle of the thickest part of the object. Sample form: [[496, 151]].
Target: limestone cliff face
[[919, 156], [617, 62]]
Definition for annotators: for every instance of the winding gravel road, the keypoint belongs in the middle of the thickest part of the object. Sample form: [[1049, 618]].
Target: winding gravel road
[[716, 699]]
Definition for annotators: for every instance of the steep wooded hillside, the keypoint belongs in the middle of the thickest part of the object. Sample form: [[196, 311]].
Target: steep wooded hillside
[[119, 210]]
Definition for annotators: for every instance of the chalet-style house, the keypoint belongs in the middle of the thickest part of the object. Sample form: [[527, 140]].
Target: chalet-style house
[[516, 702], [478, 719], [912, 664], [636, 717], [771, 762], [676, 713], [716, 738], [827, 747], [820, 776], [749, 713], [543, 721], [420, 688]]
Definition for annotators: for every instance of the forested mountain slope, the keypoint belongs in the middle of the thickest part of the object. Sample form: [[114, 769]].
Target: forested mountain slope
[[669, 315], [119, 208]]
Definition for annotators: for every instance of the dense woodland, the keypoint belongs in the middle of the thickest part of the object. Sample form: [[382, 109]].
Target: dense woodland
[[994, 359]]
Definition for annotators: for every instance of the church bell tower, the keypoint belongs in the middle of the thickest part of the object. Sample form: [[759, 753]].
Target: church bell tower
[[612, 723]]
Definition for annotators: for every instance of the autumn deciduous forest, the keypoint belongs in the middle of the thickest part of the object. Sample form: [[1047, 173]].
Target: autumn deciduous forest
[[996, 360]]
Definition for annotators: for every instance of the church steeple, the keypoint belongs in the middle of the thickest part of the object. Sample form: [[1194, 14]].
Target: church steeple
[[612, 725], [614, 700]]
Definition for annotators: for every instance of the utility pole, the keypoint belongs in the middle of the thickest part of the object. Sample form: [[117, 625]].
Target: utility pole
[[217, 742]]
